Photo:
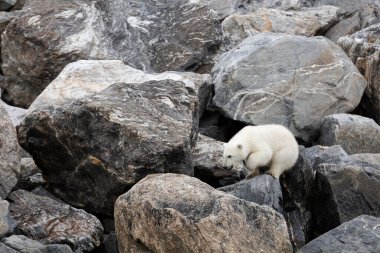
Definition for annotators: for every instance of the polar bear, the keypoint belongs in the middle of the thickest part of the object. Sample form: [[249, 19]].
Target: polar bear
[[263, 145]]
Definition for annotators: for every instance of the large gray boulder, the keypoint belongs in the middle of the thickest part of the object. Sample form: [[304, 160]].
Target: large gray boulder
[[356, 134], [87, 77], [10, 160], [358, 235], [306, 21], [343, 191], [286, 79], [263, 190], [208, 163], [346, 4], [150, 35], [95, 148], [23, 244], [51, 222], [177, 213], [363, 48]]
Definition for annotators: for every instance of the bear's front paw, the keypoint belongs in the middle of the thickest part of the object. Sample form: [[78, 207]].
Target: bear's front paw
[[252, 174]]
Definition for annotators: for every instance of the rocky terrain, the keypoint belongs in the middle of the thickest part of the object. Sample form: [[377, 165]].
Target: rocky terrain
[[113, 115]]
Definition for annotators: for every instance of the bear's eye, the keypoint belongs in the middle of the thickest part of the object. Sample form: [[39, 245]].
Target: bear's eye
[[229, 156]]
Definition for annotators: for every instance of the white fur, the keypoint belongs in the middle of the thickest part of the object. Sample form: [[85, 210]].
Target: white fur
[[264, 145]]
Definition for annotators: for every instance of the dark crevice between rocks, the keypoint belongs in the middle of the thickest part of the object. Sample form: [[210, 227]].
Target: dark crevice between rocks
[[213, 124]]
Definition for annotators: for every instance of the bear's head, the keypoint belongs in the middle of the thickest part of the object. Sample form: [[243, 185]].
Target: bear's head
[[234, 154]]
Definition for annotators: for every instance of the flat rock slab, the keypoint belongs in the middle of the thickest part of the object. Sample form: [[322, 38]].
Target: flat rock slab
[[50, 222], [95, 148], [21, 244], [177, 213], [286, 79], [356, 134], [358, 235]]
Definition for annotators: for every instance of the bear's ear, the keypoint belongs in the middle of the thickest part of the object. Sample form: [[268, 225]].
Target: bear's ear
[[239, 146]]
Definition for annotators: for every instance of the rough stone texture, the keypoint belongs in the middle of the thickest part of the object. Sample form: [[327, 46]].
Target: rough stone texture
[[7, 224], [345, 4], [297, 185], [370, 158], [22, 244], [307, 22], [48, 221], [5, 18], [356, 134], [353, 20], [86, 77], [95, 148], [208, 163], [344, 191], [150, 35], [30, 176], [263, 190], [7, 4], [177, 213], [9, 154], [363, 48], [16, 114], [286, 79], [358, 235]]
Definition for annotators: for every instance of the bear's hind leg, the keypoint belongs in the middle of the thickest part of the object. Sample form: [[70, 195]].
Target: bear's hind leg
[[281, 161], [257, 159]]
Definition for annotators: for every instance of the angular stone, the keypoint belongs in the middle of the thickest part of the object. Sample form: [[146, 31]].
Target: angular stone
[[352, 21], [7, 4], [286, 79], [7, 224], [358, 235], [177, 213], [297, 185], [368, 157], [363, 48], [306, 22], [356, 134], [208, 163], [149, 35], [9, 154], [263, 190], [346, 4], [30, 175], [50, 222], [344, 191], [21, 244], [95, 148], [16, 114], [87, 77]]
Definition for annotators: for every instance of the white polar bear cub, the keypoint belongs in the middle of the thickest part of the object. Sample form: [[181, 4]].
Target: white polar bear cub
[[264, 145]]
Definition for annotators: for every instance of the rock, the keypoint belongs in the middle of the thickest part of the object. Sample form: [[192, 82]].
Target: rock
[[21, 244], [16, 114], [297, 185], [346, 4], [51, 222], [263, 190], [9, 154], [7, 224], [87, 77], [307, 22], [352, 21], [363, 49], [369, 158], [358, 235], [286, 79], [19, 5], [208, 163], [344, 191], [6, 17], [95, 148], [153, 36], [356, 134], [109, 244], [177, 213], [7, 4]]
